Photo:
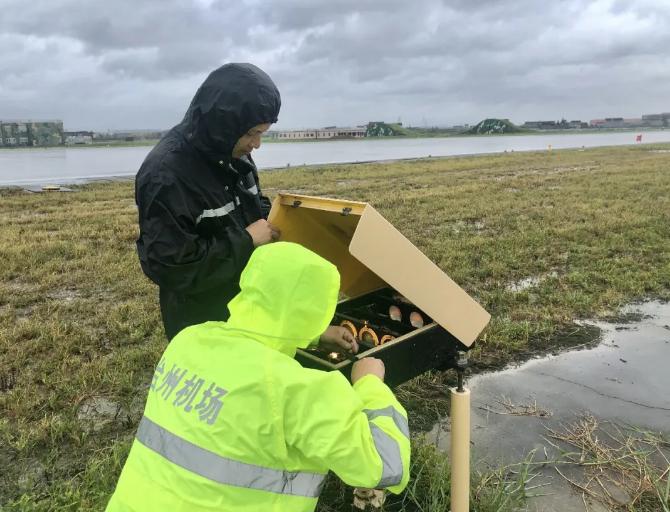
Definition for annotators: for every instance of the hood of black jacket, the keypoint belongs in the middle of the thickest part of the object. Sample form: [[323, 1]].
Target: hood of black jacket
[[233, 99]]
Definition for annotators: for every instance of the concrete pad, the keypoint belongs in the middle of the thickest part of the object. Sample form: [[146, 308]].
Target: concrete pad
[[624, 380]]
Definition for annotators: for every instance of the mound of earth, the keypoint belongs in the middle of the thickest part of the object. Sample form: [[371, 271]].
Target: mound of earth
[[490, 126]]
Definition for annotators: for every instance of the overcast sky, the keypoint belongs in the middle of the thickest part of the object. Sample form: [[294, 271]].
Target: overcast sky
[[136, 63]]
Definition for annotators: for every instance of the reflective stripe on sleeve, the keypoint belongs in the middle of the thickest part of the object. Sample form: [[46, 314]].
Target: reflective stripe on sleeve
[[223, 470], [253, 190], [389, 451], [217, 212], [399, 420]]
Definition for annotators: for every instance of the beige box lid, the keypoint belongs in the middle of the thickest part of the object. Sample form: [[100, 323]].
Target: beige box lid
[[371, 253]]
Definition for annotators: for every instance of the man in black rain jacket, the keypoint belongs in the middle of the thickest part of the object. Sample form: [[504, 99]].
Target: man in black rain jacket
[[201, 211]]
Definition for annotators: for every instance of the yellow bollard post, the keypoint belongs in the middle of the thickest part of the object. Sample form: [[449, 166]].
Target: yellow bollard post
[[460, 439], [460, 450]]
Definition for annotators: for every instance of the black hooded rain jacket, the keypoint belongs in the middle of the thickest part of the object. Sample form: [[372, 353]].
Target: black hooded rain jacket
[[195, 200]]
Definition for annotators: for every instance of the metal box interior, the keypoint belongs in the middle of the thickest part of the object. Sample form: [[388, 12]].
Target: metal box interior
[[412, 352], [379, 267]]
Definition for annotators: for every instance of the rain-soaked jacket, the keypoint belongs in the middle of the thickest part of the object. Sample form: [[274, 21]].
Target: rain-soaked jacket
[[234, 423], [195, 200]]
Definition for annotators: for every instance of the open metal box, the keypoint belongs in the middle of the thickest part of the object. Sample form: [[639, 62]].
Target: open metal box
[[379, 268]]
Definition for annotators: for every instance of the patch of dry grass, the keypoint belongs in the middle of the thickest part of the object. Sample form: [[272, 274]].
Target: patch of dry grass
[[506, 407], [623, 468]]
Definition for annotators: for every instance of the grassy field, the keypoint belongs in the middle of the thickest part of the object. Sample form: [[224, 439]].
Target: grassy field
[[80, 329]]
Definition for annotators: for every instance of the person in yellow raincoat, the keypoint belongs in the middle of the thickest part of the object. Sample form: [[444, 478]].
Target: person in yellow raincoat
[[234, 423]]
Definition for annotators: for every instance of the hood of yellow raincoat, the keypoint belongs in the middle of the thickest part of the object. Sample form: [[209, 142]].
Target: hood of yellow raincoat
[[287, 297]]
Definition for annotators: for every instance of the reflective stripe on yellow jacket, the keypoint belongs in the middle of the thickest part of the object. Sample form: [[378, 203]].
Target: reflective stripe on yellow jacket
[[233, 422]]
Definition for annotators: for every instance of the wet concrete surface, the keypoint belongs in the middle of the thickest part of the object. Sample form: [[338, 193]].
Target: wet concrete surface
[[624, 380]]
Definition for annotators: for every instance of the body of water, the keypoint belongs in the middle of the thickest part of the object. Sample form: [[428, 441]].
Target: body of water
[[72, 165]]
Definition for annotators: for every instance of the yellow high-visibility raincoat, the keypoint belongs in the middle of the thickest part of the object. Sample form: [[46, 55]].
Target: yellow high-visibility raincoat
[[234, 423]]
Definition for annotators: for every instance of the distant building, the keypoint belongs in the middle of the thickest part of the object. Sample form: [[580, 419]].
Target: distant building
[[72, 138], [26, 133], [128, 135], [656, 120], [577, 124], [555, 125], [616, 122], [540, 125], [330, 132]]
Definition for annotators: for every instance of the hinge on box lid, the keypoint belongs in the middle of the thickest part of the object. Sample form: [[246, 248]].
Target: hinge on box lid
[[296, 203], [346, 211]]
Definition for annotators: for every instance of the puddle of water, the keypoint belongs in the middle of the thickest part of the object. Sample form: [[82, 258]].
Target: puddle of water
[[98, 412], [467, 225], [46, 190], [64, 294], [623, 380], [529, 282], [18, 286]]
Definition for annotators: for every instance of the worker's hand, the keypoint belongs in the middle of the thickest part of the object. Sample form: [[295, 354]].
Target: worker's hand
[[338, 339], [367, 366], [262, 232]]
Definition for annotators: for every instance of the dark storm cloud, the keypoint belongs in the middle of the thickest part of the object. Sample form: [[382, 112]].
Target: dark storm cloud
[[147, 38], [136, 64]]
